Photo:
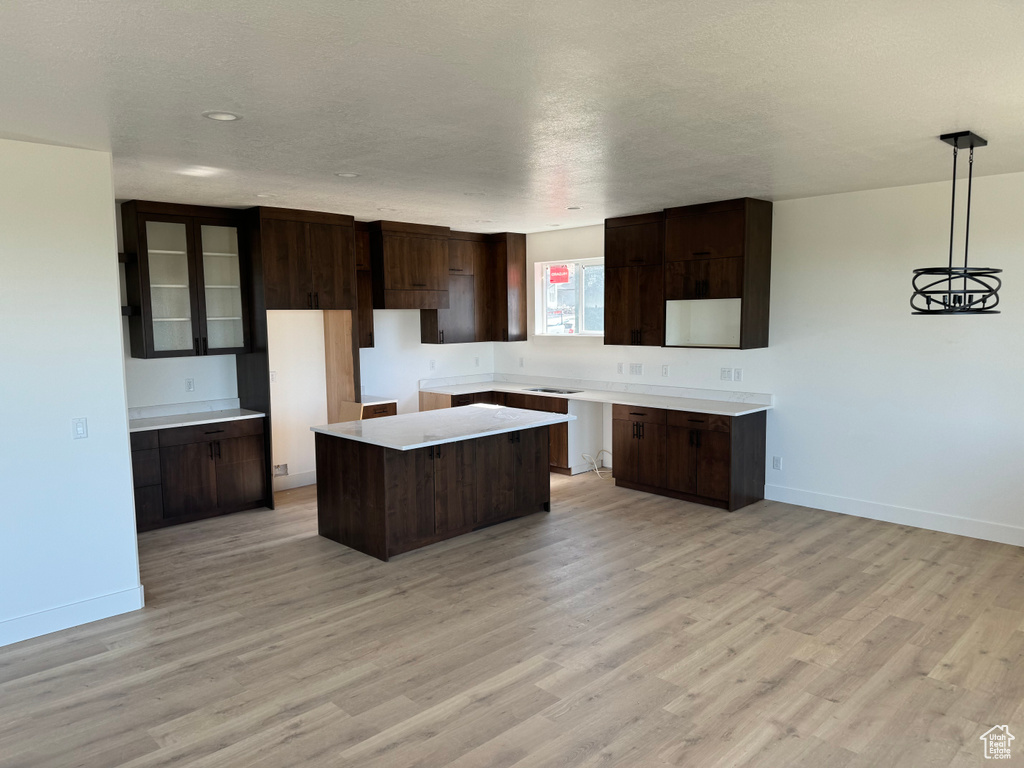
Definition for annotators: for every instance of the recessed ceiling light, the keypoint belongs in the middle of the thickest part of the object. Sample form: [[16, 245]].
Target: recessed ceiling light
[[221, 116], [475, 194], [265, 194], [554, 225], [485, 221], [574, 207], [347, 175], [387, 209]]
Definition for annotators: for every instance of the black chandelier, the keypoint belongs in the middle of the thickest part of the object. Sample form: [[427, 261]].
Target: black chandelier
[[957, 290]]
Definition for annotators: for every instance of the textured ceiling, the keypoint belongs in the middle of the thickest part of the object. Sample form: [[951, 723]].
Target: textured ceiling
[[498, 115]]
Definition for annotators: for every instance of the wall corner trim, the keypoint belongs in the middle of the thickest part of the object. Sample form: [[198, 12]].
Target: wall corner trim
[[917, 518], [82, 612]]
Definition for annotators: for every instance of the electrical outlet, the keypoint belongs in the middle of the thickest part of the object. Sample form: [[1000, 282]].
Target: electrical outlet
[[190, 385], [80, 428], [433, 365], [476, 361], [636, 369], [737, 374], [280, 470], [273, 376], [664, 370], [776, 462], [727, 374], [619, 367], [522, 362]]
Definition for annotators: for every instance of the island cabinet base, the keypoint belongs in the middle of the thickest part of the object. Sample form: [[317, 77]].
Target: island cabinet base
[[383, 502]]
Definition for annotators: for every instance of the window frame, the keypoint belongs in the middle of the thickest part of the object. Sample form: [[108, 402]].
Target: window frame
[[540, 297]]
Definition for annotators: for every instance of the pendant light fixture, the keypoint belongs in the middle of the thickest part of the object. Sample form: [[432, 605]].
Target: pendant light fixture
[[955, 290]]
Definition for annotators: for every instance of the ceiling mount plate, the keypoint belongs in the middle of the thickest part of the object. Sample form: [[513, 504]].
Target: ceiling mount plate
[[964, 140]]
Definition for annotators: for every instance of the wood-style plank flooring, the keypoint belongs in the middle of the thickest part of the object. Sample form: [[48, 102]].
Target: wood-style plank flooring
[[621, 629]]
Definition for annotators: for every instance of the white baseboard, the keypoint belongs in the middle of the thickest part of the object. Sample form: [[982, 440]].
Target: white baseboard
[[918, 518], [43, 623], [299, 479]]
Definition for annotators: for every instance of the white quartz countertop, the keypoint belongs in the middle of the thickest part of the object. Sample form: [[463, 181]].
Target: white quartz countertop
[[714, 407], [191, 419], [448, 425], [376, 400]]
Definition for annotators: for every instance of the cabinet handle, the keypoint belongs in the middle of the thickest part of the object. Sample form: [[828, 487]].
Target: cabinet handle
[[206, 349], [419, 285], [371, 338], [456, 269], [195, 344], [442, 337], [438, 454], [309, 300], [431, 453], [215, 431], [504, 334], [700, 253], [316, 300], [634, 429], [637, 413], [211, 451]]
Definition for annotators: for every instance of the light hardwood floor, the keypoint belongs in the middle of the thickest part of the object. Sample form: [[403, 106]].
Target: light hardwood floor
[[621, 629]]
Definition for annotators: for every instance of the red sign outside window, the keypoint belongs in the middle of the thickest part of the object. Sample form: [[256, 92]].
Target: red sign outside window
[[558, 274]]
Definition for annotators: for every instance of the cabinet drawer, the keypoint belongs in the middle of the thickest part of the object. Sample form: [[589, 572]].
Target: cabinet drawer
[[460, 400], [383, 409], [636, 413], [202, 433], [717, 235], [146, 467], [536, 402], [142, 441], [707, 421]]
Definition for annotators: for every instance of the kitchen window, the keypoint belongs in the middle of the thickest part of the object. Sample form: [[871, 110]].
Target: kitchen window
[[570, 298]]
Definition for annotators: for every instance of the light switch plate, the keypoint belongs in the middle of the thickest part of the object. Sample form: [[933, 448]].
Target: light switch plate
[[619, 367], [273, 376], [190, 384], [727, 374], [776, 462], [636, 369], [80, 428], [737, 374], [664, 370]]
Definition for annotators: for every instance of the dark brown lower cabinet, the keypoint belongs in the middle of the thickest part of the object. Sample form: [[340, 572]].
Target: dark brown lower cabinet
[[714, 460], [383, 502], [558, 443], [190, 473]]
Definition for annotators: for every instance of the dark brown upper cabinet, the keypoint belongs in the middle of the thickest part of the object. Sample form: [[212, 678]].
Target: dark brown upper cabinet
[[486, 291], [634, 241], [502, 316], [186, 280], [308, 259], [634, 307], [409, 264], [364, 285], [718, 273], [634, 254]]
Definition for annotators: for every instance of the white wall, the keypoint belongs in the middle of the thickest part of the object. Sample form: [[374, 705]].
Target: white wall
[[397, 362], [67, 530], [298, 393], [878, 413]]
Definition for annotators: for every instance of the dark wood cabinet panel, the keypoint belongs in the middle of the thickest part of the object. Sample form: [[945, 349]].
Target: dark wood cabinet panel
[[514, 246], [241, 481], [364, 302], [639, 413], [495, 498], [624, 451], [361, 241], [651, 454], [699, 233], [634, 241], [558, 448], [650, 302], [713, 465], [287, 267], [415, 263], [455, 486], [634, 307], [704, 279], [189, 480], [681, 460], [146, 467], [332, 264], [149, 507], [532, 473], [409, 493], [379, 411], [464, 253], [454, 325], [558, 434]]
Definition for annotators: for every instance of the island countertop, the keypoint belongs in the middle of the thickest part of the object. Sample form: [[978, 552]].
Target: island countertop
[[409, 431]]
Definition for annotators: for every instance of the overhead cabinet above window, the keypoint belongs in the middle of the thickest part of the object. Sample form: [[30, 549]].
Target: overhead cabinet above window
[[184, 273]]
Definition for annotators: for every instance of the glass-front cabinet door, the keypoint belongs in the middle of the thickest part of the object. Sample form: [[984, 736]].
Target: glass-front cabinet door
[[174, 326], [223, 307]]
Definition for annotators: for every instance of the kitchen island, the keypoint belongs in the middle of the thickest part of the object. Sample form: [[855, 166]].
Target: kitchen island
[[391, 485]]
